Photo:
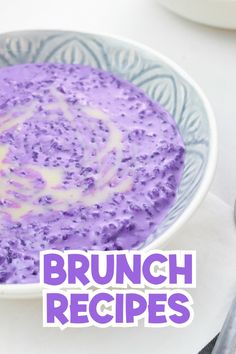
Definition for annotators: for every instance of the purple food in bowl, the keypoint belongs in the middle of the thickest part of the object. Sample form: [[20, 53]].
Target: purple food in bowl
[[88, 162], [106, 154]]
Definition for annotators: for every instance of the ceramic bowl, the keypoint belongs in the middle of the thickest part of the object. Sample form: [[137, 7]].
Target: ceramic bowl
[[161, 79]]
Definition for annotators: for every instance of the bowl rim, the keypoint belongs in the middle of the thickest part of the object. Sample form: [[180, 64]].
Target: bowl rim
[[34, 290]]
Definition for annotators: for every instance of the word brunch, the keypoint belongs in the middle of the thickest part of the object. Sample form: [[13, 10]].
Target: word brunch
[[117, 288]]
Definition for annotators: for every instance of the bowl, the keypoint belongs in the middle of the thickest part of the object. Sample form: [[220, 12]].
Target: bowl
[[217, 13], [162, 80]]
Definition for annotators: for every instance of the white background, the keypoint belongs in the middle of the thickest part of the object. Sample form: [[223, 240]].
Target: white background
[[207, 54]]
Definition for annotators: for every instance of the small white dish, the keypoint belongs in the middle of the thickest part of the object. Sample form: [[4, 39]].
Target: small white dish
[[217, 13]]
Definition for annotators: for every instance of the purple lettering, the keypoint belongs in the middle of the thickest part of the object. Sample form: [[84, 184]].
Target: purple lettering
[[77, 306], [156, 309], [78, 265], [133, 311], [57, 304], [185, 270], [102, 319], [148, 262], [53, 274], [109, 269], [176, 302]]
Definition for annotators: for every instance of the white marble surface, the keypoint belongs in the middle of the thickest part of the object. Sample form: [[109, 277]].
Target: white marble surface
[[205, 53]]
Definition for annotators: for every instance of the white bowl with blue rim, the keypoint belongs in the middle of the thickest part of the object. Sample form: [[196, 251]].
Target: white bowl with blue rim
[[162, 80]]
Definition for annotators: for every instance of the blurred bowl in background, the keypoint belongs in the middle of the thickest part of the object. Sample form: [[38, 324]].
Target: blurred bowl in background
[[217, 13]]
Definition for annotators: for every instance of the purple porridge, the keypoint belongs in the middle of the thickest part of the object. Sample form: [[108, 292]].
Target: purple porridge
[[87, 161]]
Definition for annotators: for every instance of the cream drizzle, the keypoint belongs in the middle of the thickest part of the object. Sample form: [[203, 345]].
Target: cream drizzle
[[53, 177]]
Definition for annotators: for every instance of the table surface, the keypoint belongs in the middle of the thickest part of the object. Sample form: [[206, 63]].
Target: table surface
[[207, 54]]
